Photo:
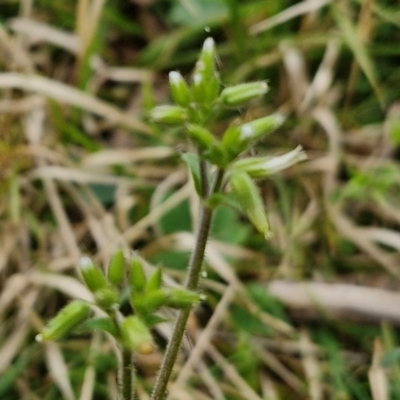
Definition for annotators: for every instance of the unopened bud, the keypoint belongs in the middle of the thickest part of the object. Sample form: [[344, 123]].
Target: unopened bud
[[116, 269], [182, 298], [240, 94], [261, 167], [168, 114], [138, 278], [250, 200], [179, 89], [92, 274], [260, 127], [65, 321], [137, 335], [206, 85]]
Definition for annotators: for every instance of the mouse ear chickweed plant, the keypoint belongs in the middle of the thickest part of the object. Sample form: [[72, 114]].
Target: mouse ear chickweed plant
[[215, 167]]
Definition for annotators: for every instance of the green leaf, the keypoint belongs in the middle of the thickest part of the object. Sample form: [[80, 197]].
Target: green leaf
[[193, 163], [153, 319], [227, 226], [105, 324]]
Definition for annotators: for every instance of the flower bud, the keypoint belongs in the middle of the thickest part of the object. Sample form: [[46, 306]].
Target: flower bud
[[250, 200], [179, 89], [205, 77], [138, 277], [170, 115], [206, 62], [253, 130], [116, 269], [239, 94], [261, 167], [137, 335], [182, 298], [236, 138], [65, 321], [92, 274]]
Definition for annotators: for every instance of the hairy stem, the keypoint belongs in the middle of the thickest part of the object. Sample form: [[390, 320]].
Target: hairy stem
[[191, 282], [127, 376]]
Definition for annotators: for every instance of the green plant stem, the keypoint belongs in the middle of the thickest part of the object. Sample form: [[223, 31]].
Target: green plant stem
[[191, 282], [127, 375]]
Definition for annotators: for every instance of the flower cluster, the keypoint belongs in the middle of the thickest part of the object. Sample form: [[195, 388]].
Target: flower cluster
[[196, 104], [146, 295]]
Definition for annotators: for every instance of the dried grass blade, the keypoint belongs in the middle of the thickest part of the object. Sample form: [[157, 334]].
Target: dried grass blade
[[356, 45], [287, 14], [69, 95], [377, 377], [38, 32], [58, 369]]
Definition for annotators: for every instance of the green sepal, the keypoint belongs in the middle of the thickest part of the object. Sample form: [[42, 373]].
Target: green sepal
[[137, 277], [231, 143], [223, 198], [92, 275], [205, 92], [249, 198], [65, 321], [106, 297], [201, 136], [136, 335], [116, 269], [155, 281]]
